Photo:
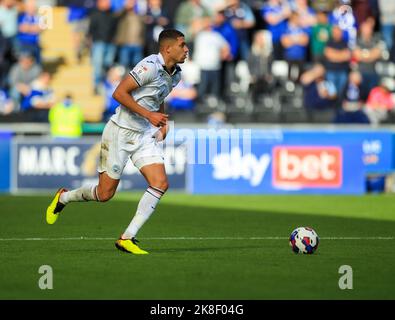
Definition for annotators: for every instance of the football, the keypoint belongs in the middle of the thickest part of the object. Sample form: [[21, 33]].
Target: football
[[304, 240]]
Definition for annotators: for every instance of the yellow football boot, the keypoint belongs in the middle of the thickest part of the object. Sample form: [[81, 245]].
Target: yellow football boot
[[55, 207], [129, 245]]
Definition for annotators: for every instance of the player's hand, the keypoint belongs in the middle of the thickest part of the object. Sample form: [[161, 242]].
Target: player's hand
[[158, 119]]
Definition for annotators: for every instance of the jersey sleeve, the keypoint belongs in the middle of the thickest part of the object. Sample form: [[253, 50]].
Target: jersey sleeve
[[144, 72]]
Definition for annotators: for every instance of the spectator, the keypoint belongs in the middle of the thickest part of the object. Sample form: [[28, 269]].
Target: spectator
[[102, 30], [156, 20], [324, 5], [367, 52], [130, 36], [307, 17], [118, 5], [242, 19], [191, 17], [225, 28], [337, 59], [387, 20], [21, 76], [9, 22], [3, 60], [343, 17], [392, 52], [319, 94], [78, 17], [114, 77], [210, 49], [6, 104], [275, 13], [362, 10], [320, 35], [259, 64], [28, 38], [66, 119], [351, 110], [39, 100], [295, 41], [171, 7], [380, 101], [213, 5], [141, 6]]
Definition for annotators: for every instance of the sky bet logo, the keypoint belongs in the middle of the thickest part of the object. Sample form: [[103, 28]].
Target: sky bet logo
[[296, 167], [235, 165]]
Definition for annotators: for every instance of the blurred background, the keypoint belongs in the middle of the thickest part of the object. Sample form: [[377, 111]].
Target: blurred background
[[312, 76]]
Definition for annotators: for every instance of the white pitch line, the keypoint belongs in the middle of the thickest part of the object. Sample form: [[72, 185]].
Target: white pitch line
[[191, 238]]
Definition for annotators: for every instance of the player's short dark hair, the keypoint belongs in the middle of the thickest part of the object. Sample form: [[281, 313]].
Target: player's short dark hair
[[169, 34]]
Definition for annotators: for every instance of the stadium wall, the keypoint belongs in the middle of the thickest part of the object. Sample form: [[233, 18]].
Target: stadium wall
[[226, 161]]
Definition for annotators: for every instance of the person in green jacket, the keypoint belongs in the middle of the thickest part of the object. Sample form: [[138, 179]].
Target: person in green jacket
[[66, 119], [321, 33]]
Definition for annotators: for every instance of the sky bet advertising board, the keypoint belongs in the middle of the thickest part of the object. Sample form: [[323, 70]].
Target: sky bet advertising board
[[277, 162], [52, 164]]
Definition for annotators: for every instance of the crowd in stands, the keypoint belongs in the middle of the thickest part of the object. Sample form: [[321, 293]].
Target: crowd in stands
[[24, 85], [271, 54]]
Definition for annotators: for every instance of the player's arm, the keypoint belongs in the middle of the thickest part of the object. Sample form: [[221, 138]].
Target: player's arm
[[122, 94]]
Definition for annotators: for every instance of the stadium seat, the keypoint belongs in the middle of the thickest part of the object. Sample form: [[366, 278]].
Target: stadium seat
[[291, 102]]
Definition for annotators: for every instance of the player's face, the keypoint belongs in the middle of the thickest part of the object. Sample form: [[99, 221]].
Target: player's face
[[179, 50]]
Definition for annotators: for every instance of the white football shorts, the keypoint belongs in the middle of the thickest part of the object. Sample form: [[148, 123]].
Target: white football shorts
[[118, 144]]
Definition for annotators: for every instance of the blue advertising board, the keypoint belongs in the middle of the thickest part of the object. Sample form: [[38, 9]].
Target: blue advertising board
[[50, 164], [5, 160], [277, 162]]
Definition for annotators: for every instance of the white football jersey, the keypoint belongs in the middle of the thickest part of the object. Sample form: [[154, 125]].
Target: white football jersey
[[155, 85]]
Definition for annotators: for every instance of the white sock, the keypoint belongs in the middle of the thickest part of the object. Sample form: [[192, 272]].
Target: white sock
[[145, 208], [85, 193]]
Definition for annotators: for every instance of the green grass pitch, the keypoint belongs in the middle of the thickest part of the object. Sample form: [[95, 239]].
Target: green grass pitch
[[201, 247]]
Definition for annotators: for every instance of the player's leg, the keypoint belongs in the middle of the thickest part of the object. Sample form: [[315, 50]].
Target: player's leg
[[155, 175], [113, 158], [102, 192]]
